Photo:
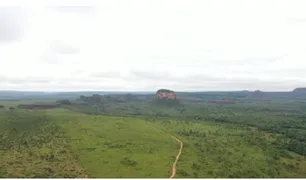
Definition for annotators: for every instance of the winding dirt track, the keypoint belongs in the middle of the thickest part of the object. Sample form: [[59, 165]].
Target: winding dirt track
[[177, 157], [178, 154]]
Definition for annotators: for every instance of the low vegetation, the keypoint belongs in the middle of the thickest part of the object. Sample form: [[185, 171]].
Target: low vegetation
[[31, 145]]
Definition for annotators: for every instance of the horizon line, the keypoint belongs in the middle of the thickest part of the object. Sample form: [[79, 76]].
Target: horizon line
[[142, 91]]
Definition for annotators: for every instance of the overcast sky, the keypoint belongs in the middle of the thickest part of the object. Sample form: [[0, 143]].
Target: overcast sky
[[141, 45]]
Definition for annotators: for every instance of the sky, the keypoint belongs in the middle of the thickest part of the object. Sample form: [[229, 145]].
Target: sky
[[141, 45]]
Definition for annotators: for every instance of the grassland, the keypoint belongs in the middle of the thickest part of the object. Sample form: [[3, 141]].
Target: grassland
[[60, 143], [116, 146], [64, 143]]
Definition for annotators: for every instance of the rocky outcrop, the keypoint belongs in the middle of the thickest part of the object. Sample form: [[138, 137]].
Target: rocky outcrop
[[166, 98], [165, 94]]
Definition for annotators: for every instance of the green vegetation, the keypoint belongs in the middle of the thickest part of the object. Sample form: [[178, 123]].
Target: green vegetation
[[166, 102], [64, 101], [165, 90], [117, 146], [223, 150], [31, 145], [287, 118], [129, 136]]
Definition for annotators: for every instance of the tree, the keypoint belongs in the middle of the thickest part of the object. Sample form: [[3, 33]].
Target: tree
[[64, 101]]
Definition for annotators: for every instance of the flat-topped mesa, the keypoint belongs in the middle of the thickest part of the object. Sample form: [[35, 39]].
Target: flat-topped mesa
[[302, 89], [165, 94]]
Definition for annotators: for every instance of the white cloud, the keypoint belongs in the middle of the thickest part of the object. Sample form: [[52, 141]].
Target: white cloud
[[146, 45]]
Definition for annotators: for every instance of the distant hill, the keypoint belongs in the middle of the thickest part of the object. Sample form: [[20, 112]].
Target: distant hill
[[166, 97], [297, 93], [29, 95], [256, 94], [165, 94], [303, 90]]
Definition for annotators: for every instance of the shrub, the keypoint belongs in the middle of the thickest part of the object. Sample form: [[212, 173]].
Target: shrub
[[128, 162]]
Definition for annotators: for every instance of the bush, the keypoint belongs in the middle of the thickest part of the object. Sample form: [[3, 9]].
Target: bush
[[195, 166], [128, 162], [182, 173]]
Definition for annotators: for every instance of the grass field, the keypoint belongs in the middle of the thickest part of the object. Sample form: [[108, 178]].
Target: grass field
[[116, 146], [62, 143], [83, 145]]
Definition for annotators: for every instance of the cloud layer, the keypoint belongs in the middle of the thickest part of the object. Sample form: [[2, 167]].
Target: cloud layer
[[192, 45], [12, 22]]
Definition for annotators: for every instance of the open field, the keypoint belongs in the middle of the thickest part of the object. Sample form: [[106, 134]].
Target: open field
[[116, 146], [69, 144], [63, 143]]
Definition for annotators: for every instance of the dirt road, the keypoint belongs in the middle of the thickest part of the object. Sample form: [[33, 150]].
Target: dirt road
[[177, 157], [178, 154]]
